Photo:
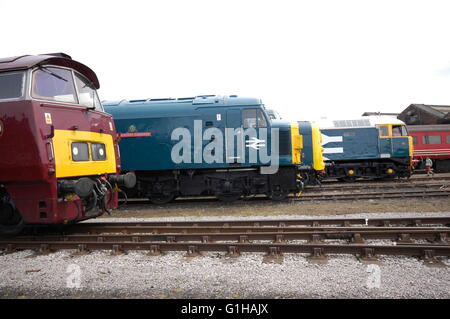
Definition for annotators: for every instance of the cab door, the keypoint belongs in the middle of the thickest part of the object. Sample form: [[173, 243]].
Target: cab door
[[254, 122], [384, 141], [214, 123], [234, 122], [401, 143]]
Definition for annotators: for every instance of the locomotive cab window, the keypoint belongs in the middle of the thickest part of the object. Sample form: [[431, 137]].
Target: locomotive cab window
[[404, 130], [249, 118], [253, 118], [261, 119], [396, 130], [399, 130], [87, 94], [11, 85], [54, 84]]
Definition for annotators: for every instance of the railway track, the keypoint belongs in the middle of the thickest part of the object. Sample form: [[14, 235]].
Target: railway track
[[316, 251], [379, 186], [275, 237], [425, 193], [413, 179], [325, 195], [412, 188], [417, 188], [238, 235], [345, 222]]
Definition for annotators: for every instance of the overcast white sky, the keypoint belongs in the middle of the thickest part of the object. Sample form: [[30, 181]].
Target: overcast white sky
[[307, 59]]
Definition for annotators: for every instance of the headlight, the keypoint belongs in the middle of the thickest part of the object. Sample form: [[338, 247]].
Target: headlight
[[80, 151], [98, 151]]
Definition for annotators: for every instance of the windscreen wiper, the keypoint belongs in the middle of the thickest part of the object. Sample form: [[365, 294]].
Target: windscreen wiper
[[52, 73]]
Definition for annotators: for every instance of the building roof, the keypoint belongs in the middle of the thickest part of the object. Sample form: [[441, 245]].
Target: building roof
[[436, 110]]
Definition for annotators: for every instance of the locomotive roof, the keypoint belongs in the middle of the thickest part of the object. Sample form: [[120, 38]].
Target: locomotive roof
[[60, 59], [132, 108], [366, 121]]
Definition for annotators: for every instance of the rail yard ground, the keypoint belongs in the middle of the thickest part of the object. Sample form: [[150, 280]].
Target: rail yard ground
[[259, 206], [269, 208], [215, 275], [136, 274]]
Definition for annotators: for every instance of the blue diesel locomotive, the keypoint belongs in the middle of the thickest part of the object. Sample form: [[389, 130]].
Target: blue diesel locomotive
[[369, 147], [224, 146]]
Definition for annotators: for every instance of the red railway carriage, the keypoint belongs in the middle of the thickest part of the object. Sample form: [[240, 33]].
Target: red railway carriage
[[59, 159], [432, 141]]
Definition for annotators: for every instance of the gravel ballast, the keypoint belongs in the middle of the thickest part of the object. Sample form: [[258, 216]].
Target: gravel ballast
[[212, 275]]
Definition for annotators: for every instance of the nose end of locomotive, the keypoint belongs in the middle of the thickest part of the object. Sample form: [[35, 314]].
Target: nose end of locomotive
[[319, 161]]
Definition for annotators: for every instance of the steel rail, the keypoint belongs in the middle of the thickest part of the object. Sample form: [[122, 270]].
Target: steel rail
[[375, 195], [323, 188], [192, 249], [211, 229], [399, 192], [318, 195], [414, 178], [400, 235], [378, 222]]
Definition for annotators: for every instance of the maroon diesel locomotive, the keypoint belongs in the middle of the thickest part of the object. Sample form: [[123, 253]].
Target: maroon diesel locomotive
[[59, 159]]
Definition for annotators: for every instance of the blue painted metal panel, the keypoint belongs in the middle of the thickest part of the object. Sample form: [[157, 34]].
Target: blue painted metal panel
[[284, 145], [400, 146], [160, 117], [350, 143], [307, 152], [362, 144], [385, 147]]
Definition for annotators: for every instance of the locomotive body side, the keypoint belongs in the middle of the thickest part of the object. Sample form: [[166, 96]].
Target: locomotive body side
[[367, 148], [187, 147], [151, 127]]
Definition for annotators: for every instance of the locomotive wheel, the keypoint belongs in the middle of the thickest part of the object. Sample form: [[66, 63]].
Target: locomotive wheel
[[278, 195], [349, 179], [11, 223], [160, 199], [228, 197]]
